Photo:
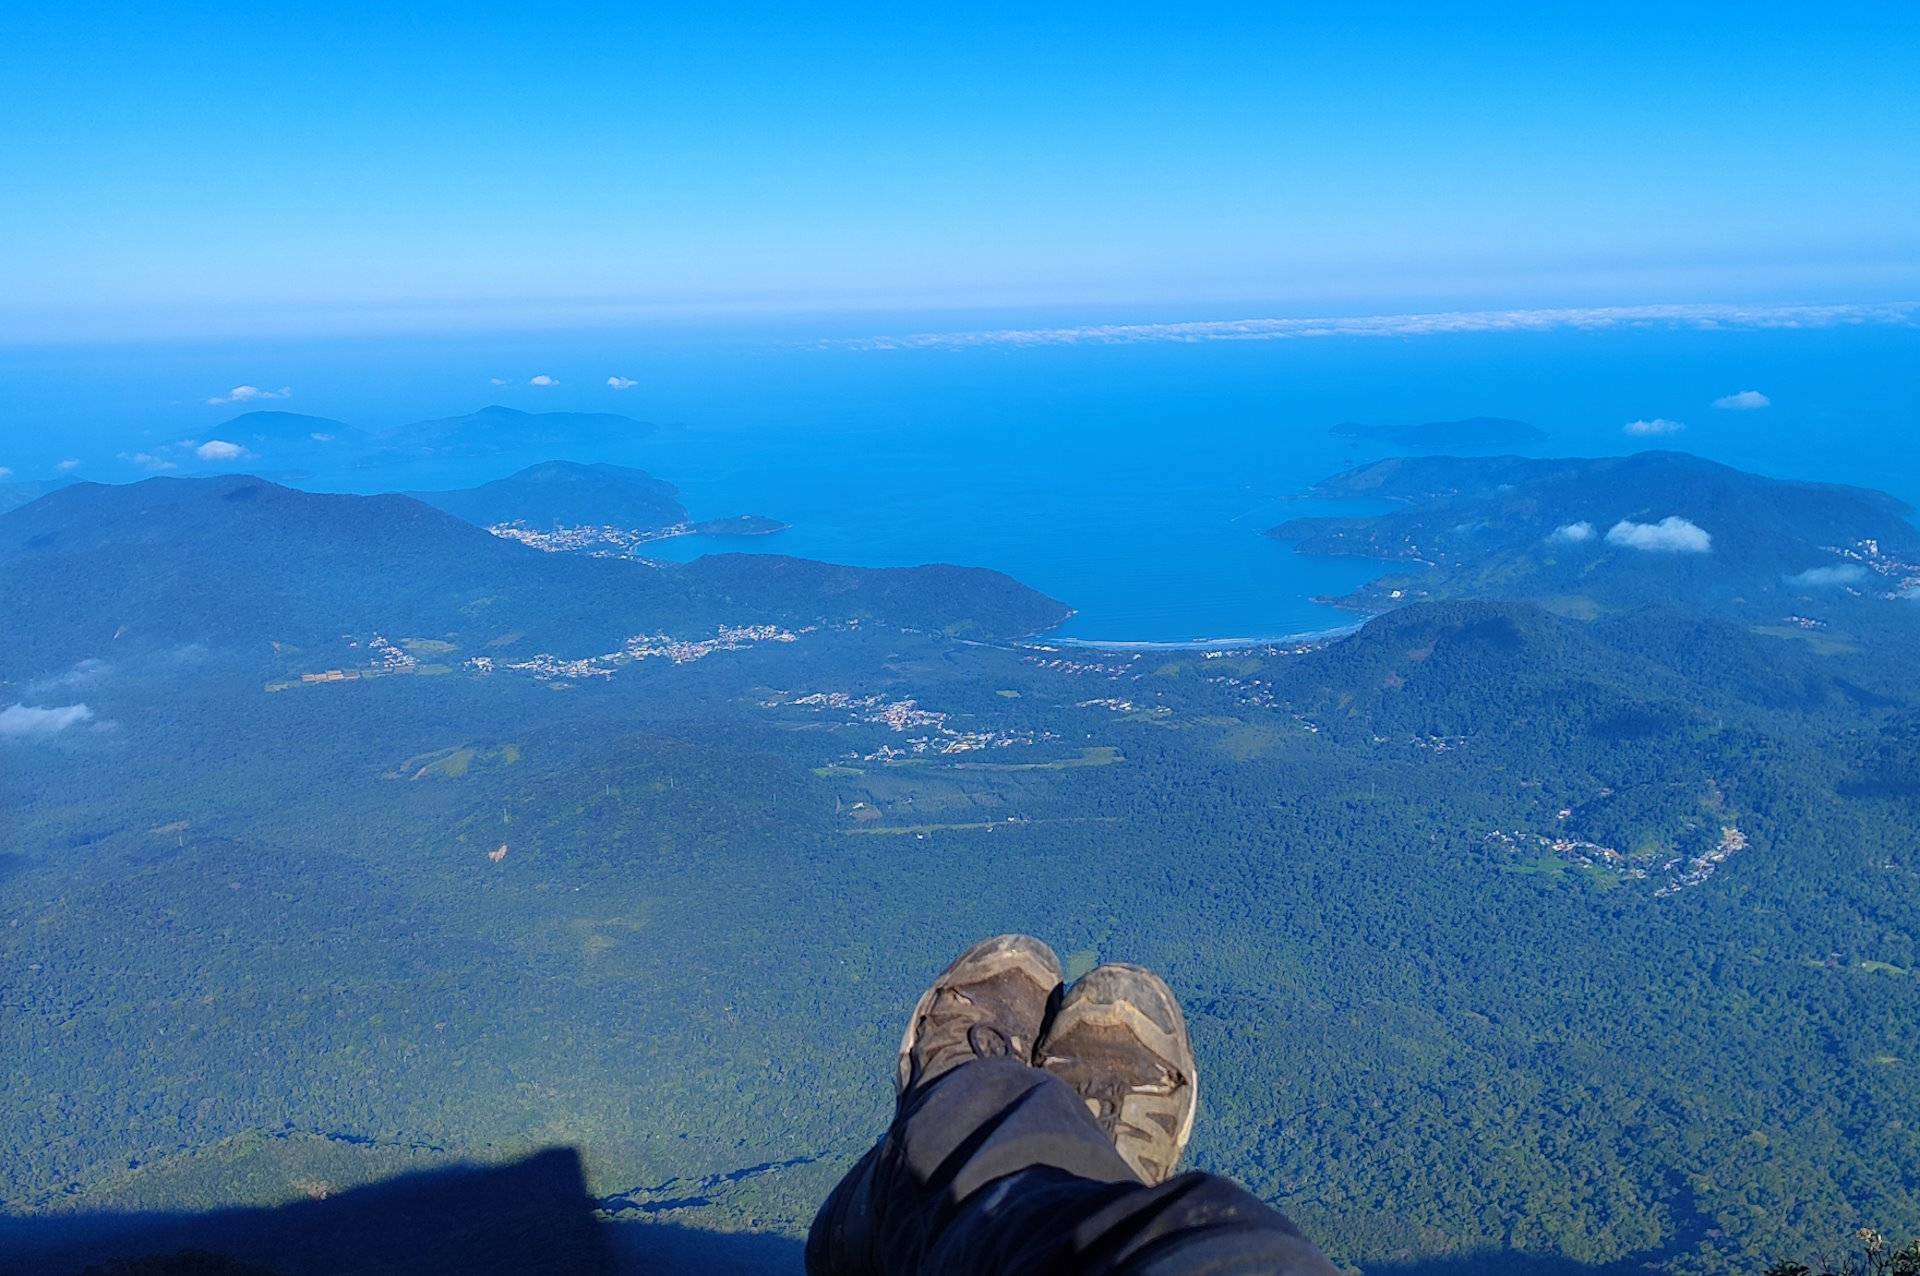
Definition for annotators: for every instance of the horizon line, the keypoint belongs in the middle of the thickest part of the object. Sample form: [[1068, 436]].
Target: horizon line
[[444, 319], [1698, 316]]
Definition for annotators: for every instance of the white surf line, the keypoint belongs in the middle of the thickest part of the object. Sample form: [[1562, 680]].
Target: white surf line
[[1195, 644]]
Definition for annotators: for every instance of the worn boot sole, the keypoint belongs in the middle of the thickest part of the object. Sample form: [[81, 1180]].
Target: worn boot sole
[[1005, 971], [1120, 1040]]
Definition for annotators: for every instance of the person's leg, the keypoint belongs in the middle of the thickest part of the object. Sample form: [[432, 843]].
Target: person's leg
[[992, 1166], [1000, 1169]]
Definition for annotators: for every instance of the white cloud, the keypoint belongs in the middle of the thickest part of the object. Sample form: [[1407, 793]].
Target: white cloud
[[1573, 532], [219, 450], [83, 673], [18, 721], [1744, 401], [497, 380], [1657, 425], [250, 394], [1671, 535], [318, 437], [622, 383], [1592, 318], [148, 461], [69, 465], [1821, 577], [542, 379]]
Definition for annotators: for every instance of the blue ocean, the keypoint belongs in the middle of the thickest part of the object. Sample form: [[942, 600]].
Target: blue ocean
[[1131, 481]]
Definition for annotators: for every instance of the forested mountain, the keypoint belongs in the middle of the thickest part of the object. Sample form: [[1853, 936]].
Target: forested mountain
[[1601, 534], [565, 494], [268, 430], [496, 429], [17, 492], [237, 561]]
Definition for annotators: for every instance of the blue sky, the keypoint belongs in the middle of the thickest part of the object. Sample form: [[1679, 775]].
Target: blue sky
[[192, 169]]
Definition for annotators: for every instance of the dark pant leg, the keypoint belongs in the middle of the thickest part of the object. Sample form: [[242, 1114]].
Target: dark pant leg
[[998, 1168]]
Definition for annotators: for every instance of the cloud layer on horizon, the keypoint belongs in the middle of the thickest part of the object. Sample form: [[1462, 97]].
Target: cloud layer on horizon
[[1410, 325], [1671, 535]]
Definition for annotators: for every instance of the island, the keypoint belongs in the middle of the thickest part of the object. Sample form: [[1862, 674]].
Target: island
[[1585, 536]]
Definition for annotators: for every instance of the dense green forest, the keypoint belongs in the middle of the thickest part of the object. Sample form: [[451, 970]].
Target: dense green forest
[[1590, 940]]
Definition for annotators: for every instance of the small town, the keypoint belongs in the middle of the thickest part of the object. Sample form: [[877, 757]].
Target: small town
[[641, 647], [388, 658], [1684, 871], [902, 716], [1118, 704], [1902, 574], [1060, 664], [596, 542]]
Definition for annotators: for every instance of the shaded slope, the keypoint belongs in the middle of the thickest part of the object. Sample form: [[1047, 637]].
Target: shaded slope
[[566, 494], [236, 562]]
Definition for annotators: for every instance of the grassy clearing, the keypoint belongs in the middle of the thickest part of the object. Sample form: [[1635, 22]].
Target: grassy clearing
[[452, 763], [1574, 607], [1093, 755], [1822, 644], [1245, 743]]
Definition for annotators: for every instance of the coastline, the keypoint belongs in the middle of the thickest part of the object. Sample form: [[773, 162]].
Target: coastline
[[1197, 644]]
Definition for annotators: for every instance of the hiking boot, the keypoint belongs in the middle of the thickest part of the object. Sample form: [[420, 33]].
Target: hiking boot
[[1120, 1040], [990, 1003]]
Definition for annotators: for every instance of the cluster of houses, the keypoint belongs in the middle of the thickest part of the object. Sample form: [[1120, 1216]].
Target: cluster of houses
[[596, 542], [1681, 871], [640, 647], [942, 738]]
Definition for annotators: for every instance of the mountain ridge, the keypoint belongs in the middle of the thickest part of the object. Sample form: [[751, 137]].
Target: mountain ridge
[[234, 561]]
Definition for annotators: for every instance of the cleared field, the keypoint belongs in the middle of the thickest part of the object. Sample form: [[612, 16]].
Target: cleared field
[[1094, 755]]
